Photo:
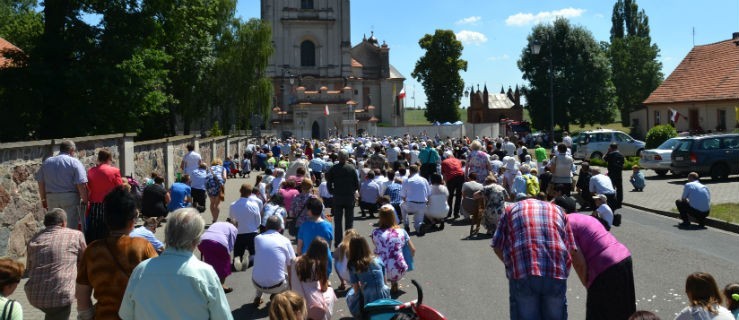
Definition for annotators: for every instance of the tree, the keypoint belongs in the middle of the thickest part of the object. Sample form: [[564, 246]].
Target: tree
[[21, 24], [438, 71], [636, 70], [582, 80]]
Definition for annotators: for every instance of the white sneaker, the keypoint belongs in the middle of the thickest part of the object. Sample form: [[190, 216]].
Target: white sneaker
[[237, 264]]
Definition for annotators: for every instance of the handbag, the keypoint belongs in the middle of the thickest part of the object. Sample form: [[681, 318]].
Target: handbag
[[9, 310], [408, 256]]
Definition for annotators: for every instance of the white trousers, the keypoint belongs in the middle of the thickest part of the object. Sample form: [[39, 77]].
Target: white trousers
[[418, 210]]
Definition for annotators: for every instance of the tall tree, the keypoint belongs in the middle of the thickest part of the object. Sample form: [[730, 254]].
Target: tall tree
[[21, 24], [438, 71], [579, 69], [636, 70]]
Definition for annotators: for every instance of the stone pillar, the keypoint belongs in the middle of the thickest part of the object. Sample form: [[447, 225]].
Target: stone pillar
[[170, 168], [126, 157], [213, 149], [196, 143], [227, 141]]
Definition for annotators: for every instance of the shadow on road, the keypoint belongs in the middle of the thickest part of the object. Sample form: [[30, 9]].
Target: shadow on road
[[249, 311]]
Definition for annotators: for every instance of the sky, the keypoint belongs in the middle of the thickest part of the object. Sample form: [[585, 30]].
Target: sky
[[494, 32]]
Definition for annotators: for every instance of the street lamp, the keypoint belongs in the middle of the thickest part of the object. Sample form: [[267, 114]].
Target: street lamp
[[535, 47]]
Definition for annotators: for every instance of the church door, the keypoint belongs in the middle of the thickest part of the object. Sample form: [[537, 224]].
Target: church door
[[316, 130]]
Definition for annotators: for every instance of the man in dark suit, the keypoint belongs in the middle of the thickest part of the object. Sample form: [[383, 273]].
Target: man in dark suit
[[615, 161]]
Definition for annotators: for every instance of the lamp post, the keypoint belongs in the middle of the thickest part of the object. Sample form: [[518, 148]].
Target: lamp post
[[535, 47]]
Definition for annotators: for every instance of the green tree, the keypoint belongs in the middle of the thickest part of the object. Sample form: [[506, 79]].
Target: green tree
[[438, 71], [636, 70], [21, 24], [582, 80]]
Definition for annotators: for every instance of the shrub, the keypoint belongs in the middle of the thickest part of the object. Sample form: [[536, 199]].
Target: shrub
[[628, 163], [659, 134]]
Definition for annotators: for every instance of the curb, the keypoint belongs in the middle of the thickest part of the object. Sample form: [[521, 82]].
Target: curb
[[718, 224]]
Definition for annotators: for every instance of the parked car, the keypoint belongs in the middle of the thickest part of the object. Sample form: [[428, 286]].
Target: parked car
[[594, 144], [714, 155], [659, 159]]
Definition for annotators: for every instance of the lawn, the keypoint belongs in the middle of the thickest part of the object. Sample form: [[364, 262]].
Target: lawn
[[728, 212], [416, 118]]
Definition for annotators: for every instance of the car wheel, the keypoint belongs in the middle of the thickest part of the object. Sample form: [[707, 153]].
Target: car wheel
[[596, 155], [661, 173], [719, 171]]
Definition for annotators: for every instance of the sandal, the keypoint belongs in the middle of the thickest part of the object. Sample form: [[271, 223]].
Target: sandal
[[228, 289]]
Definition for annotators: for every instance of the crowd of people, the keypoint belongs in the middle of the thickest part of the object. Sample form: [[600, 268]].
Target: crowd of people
[[309, 189]]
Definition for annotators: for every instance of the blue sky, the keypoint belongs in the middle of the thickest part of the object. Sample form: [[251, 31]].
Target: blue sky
[[494, 31]]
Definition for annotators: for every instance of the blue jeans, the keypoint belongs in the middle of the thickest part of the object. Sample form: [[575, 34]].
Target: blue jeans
[[538, 298]]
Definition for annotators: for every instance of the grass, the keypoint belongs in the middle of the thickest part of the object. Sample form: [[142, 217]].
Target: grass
[[728, 212], [416, 118]]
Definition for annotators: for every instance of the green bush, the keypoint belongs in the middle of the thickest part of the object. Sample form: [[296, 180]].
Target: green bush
[[659, 134], [630, 162]]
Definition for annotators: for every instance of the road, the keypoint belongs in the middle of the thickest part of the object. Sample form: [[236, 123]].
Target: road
[[463, 279]]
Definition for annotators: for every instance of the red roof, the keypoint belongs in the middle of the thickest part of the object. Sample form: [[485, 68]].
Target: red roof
[[6, 46], [356, 64], [708, 73]]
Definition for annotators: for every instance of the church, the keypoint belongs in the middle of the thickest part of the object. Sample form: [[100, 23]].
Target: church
[[323, 85]]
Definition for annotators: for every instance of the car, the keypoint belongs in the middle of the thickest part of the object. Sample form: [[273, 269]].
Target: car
[[594, 144], [659, 159], [716, 155]]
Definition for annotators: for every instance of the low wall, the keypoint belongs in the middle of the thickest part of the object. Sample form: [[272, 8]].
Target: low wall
[[454, 131], [21, 213]]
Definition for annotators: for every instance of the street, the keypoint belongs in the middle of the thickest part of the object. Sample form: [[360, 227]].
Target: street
[[463, 279]]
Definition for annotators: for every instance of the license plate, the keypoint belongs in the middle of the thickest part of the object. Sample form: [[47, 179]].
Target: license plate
[[679, 158]]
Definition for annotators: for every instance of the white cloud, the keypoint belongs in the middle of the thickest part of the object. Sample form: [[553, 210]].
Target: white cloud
[[498, 58], [523, 19], [469, 20], [599, 15], [471, 37]]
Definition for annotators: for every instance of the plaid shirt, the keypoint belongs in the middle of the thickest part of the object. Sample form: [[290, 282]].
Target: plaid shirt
[[53, 255], [536, 240], [393, 190]]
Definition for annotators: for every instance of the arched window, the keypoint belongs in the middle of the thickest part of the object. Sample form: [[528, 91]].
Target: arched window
[[307, 54], [306, 4]]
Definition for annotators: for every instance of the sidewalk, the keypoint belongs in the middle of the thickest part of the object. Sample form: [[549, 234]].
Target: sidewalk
[[660, 194]]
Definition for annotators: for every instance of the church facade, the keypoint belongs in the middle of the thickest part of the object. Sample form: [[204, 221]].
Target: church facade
[[488, 107], [323, 85]]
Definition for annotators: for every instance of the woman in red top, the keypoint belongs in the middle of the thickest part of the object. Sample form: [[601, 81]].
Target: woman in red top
[[101, 179], [451, 169]]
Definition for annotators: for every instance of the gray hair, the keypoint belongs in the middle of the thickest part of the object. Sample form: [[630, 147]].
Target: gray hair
[[55, 217], [184, 228], [475, 145], [343, 155], [273, 223], [525, 168], [67, 146], [279, 173]]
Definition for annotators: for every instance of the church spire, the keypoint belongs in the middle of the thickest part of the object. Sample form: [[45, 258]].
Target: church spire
[[502, 90]]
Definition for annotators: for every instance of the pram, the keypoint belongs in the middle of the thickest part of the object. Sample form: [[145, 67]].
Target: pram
[[385, 309]]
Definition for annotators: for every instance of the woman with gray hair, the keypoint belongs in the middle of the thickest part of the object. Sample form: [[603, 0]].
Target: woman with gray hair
[[478, 162], [176, 285]]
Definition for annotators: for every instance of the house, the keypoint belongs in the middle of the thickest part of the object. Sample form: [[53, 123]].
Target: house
[[491, 107], [6, 49], [701, 95]]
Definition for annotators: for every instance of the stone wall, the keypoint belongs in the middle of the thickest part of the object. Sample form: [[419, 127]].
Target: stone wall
[[21, 213], [456, 131]]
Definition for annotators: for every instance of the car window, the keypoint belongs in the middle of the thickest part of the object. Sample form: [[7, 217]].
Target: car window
[[731, 142], [685, 145], [622, 137], [710, 144], [602, 137], [669, 144]]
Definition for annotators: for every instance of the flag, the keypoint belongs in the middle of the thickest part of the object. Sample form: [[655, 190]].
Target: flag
[[401, 95], [325, 110], [674, 115]]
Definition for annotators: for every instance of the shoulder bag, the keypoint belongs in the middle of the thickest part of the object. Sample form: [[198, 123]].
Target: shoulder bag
[[9, 308]]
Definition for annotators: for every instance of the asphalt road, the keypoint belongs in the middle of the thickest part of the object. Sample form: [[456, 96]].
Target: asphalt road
[[463, 279]]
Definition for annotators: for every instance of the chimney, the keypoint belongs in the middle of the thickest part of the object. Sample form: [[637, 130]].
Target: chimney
[[735, 38]]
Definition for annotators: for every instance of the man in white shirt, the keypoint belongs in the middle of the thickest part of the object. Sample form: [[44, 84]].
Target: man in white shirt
[[509, 147], [601, 184], [415, 193], [603, 211], [191, 160], [567, 140], [247, 217], [392, 154], [273, 253], [197, 184]]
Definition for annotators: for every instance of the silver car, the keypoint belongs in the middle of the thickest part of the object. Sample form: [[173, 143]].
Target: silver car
[[659, 159], [594, 144]]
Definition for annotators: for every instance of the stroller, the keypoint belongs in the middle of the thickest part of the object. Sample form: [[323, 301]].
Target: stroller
[[385, 309]]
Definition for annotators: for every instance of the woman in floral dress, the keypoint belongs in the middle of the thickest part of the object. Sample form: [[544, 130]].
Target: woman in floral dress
[[389, 239], [494, 195], [478, 162]]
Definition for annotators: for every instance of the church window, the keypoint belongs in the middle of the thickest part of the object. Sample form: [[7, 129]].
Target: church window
[[307, 54], [306, 4]]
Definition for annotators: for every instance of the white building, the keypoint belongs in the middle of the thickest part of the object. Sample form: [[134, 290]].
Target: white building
[[315, 71]]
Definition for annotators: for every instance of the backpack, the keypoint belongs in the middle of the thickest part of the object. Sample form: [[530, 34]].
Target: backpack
[[532, 185], [213, 185], [136, 188]]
